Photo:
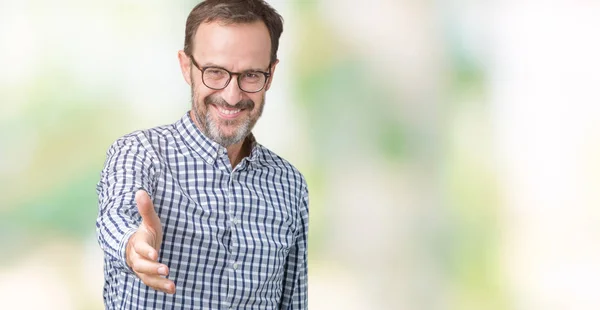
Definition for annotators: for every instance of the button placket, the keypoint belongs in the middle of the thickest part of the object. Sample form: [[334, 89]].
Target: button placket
[[234, 265]]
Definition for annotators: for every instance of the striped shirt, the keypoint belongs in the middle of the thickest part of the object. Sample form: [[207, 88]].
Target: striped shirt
[[233, 238]]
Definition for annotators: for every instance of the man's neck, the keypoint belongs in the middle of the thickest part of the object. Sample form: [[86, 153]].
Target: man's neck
[[238, 151]]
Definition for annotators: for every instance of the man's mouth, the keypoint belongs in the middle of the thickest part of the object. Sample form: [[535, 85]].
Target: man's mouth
[[228, 113]]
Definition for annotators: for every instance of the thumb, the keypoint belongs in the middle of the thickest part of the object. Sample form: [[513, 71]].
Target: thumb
[[146, 210]]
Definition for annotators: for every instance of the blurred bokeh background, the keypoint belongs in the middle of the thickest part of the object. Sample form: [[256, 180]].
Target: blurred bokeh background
[[452, 148]]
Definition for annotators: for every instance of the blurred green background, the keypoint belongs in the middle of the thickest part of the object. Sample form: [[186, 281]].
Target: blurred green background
[[451, 147]]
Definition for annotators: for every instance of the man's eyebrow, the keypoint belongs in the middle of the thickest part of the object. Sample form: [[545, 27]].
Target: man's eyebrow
[[210, 64]]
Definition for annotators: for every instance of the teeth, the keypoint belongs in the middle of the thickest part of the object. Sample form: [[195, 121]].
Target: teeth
[[228, 112]]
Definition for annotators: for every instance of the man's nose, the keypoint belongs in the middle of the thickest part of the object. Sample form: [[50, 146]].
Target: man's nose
[[232, 94]]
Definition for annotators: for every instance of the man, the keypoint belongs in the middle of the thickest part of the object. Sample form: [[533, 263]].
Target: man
[[197, 214]]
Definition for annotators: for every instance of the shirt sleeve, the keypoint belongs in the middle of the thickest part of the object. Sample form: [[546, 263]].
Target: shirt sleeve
[[295, 279], [127, 169]]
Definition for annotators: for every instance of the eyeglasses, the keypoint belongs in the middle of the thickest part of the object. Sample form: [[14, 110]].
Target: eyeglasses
[[250, 81]]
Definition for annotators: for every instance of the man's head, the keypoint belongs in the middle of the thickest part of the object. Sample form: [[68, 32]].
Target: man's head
[[229, 58]]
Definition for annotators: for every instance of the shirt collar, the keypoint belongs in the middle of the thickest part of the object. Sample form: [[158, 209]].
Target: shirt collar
[[205, 148]]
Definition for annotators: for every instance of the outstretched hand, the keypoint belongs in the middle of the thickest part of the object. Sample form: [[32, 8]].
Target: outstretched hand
[[142, 248]]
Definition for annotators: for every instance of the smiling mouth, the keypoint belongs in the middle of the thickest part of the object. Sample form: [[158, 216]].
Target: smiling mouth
[[227, 113]]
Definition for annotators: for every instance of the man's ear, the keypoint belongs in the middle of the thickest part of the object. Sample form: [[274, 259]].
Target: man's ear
[[185, 64], [272, 69]]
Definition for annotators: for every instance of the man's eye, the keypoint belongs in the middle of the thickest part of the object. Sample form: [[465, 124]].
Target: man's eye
[[213, 72], [251, 75]]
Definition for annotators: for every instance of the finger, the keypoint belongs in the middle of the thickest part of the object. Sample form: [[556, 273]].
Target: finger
[[159, 283], [146, 209], [148, 267], [144, 249]]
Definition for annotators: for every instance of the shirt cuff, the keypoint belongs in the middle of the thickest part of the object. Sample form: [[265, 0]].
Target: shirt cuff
[[123, 250]]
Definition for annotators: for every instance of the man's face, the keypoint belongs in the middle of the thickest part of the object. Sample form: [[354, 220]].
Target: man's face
[[227, 116]]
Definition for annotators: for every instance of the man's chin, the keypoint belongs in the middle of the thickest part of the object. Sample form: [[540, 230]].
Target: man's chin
[[228, 137], [227, 132]]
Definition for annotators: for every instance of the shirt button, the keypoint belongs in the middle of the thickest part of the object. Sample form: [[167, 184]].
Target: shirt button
[[235, 221], [235, 266]]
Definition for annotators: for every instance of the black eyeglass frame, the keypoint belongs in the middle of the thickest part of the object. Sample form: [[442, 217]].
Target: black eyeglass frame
[[231, 74]]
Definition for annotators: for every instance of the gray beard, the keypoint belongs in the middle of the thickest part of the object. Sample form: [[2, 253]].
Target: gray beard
[[210, 127], [211, 130]]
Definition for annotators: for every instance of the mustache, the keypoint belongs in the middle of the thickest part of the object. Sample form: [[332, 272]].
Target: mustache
[[220, 102]]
